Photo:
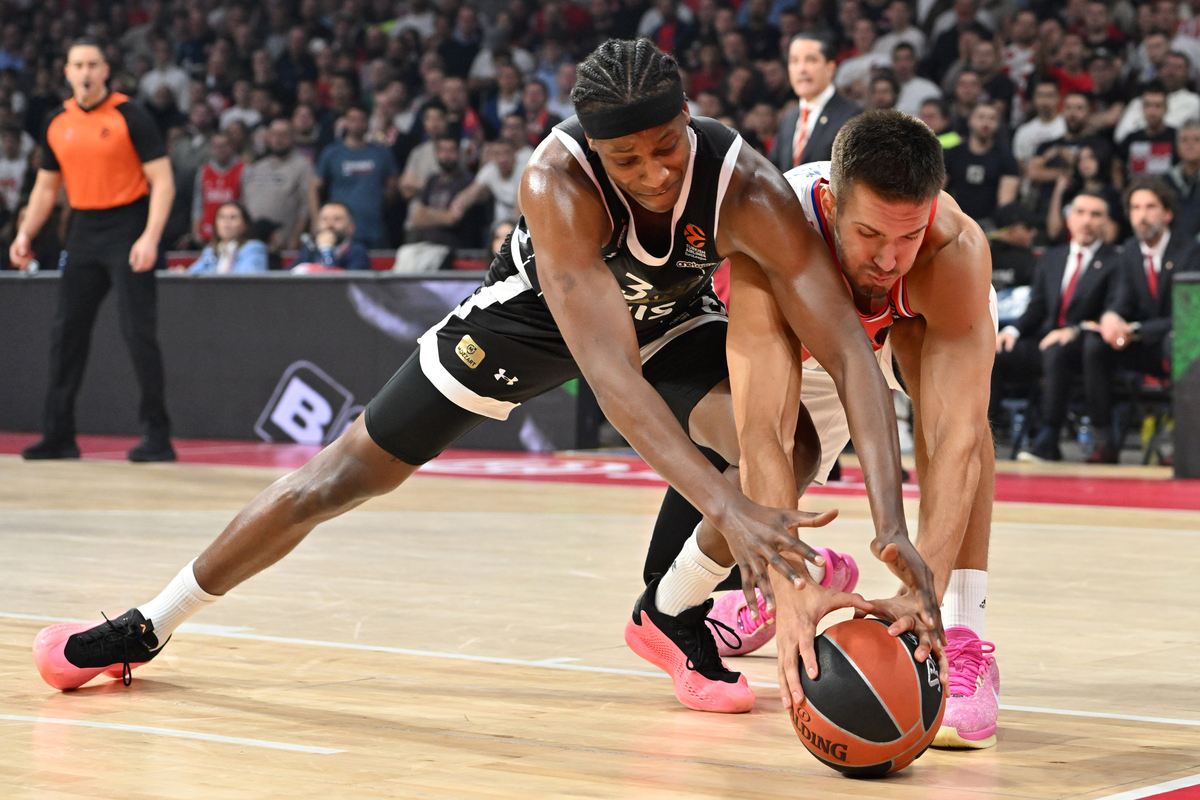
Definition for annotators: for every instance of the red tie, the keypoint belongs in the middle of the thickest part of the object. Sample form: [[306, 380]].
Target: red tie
[[801, 136], [1151, 276], [1070, 290]]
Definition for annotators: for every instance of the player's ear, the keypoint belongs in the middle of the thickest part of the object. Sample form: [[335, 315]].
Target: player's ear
[[687, 112], [828, 204]]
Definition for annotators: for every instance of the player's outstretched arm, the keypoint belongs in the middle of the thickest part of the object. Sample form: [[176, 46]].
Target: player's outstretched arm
[[954, 362], [569, 225], [762, 219]]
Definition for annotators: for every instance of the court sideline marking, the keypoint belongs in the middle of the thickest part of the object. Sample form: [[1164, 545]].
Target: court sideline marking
[[206, 737], [546, 663]]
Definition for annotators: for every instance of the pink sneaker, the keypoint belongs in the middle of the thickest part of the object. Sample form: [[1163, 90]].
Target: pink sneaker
[[841, 575], [71, 654], [973, 703], [682, 646]]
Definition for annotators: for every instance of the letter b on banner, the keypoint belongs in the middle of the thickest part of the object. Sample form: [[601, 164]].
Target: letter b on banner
[[307, 407]]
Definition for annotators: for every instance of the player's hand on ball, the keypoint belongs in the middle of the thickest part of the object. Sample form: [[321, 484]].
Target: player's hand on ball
[[906, 564], [796, 620], [760, 537], [904, 612]]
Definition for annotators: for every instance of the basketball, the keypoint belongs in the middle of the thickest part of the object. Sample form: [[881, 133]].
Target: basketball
[[873, 708]]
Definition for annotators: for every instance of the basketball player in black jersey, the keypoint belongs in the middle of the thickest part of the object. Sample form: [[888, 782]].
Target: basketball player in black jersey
[[628, 210]]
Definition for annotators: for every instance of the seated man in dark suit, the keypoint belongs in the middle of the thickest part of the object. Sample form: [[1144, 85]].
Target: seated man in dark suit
[[1070, 287], [806, 132], [1135, 330]]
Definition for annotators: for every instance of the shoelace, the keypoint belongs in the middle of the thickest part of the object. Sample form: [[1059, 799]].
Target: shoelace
[[111, 633], [967, 663], [749, 624], [701, 650]]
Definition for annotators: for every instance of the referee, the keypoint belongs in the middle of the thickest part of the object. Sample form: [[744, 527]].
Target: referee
[[107, 152]]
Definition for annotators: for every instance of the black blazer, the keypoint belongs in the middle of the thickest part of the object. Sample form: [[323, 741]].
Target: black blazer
[[1091, 291], [1129, 294], [819, 147]]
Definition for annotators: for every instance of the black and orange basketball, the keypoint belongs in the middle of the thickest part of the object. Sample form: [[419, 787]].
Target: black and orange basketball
[[873, 708]]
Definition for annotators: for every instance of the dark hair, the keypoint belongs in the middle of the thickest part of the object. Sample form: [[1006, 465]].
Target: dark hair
[[340, 205], [914, 169], [620, 72], [1046, 80], [1154, 86], [942, 106], [247, 224], [828, 47], [88, 41], [1179, 54], [1084, 95], [447, 137], [1152, 183], [888, 77], [1099, 195], [904, 46]]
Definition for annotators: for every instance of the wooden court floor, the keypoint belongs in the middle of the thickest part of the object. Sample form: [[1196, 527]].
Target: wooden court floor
[[462, 639]]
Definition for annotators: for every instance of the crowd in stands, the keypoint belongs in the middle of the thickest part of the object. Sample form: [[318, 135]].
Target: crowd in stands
[[332, 127]]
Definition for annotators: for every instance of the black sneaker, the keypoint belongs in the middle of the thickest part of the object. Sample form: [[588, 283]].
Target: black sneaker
[[683, 646], [148, 451], [45, 450], [70, 655]]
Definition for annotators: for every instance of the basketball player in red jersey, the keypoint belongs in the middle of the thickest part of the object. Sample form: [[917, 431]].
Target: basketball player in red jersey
[[919, 272]]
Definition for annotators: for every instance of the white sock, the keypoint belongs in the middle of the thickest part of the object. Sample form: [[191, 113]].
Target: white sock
[[965, 600], [691, 579], [182, 598], [815, 572]]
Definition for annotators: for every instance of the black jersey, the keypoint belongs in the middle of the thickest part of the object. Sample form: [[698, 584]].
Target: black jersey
[[657, 290]]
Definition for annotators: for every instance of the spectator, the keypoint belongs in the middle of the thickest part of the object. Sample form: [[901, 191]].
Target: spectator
[[1069, 69], [458, 51], [1057, 157], [296, 64], [982, 174], [1070, 287], [1020, 54], [854, 73], [1099, 33], [1108, 97], [305, 133], [758, 127], [538, 119], [1150, 150], [334, 244], [359, 175], [1134, 331], [899, 14], [884, 90], [500, 232], [1182, 104], [711, 71], [914, 90], [674, 34], [967, 95], [166, 73], [275, 189], [560, 105], [1011, 244], [513, 131], [997, 87], [242, 109], [1091, 172], [806, 132], [164, 111], [13, 169], [1047, 126], [218, 182], [460, 116], [232, 249], [498, 179], [507, 98], [422, 161], [435, 217], [936, 114], [762, 38], [775, 88], [1185, 179]]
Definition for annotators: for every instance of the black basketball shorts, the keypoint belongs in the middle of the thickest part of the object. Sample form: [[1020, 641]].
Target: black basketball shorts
[[501, 347]]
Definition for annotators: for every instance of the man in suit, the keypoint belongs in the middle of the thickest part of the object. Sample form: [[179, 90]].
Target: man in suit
[[1070, 288], [807, 131], [1135, 330]]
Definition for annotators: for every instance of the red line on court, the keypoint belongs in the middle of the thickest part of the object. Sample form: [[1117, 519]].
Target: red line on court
[[612, 470]]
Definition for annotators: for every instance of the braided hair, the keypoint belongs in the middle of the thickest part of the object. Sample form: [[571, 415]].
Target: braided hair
[[620, 72]]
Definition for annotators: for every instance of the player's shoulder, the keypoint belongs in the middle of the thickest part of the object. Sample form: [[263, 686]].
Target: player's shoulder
[[555, 168], [955, 259]]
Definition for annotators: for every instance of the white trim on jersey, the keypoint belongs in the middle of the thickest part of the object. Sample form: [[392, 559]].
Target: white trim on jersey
[[649, 351], [440, 377], [635, 246], [574, 149], [731, 157]]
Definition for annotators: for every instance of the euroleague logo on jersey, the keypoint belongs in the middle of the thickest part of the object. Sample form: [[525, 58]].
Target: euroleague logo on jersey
[[694, 236]]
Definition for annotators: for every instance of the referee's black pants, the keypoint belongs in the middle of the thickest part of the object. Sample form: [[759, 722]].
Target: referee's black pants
[[97, 259]]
